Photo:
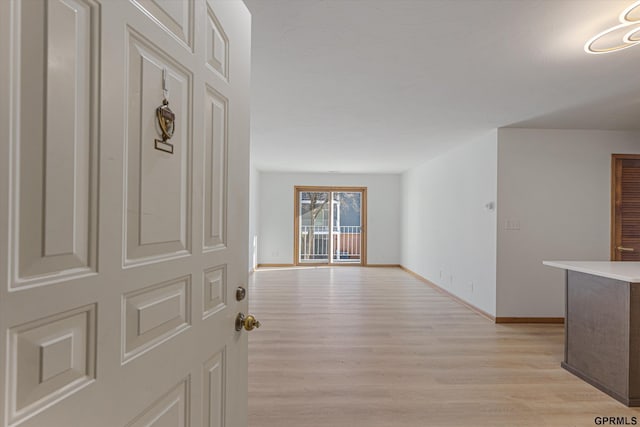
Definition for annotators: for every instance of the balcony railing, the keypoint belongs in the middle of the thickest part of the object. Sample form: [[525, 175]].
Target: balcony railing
[[315, 243]]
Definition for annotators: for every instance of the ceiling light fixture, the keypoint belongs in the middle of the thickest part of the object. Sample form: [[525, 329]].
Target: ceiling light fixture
[[629, 39]]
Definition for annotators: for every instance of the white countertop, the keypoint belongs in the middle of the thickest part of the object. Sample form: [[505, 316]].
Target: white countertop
[[627, 271]]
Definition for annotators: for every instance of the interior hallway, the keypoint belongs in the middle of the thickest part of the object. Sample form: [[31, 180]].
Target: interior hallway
[[375, 347]]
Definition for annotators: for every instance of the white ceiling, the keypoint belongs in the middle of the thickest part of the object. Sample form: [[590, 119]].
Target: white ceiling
[[382, 85]]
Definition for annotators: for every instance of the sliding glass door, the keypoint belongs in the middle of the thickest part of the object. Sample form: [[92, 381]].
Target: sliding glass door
[[329, 225], [314, 226]]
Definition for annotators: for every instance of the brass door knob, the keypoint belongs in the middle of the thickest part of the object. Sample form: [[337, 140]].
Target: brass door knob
[[623, 249], [248, 322]]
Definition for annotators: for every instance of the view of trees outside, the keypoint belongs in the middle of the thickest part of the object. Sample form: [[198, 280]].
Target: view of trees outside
[[312, 211]]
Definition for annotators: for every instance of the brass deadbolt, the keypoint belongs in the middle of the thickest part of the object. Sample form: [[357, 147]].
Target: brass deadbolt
[[241, 293], [249, 322]]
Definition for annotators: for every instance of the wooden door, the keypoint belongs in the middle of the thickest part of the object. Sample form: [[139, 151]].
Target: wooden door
[[625, 212], [120, 261]]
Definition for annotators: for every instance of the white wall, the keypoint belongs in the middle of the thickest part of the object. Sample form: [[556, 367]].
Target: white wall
[[448, 235], [254, 191], [554, 184], [276, 202]]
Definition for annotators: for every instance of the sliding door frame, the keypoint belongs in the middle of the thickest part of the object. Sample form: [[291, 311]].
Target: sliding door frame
[[296, 222]]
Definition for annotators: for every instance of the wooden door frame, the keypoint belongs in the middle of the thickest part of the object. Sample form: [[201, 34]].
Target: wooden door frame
[[616, 215], [297, 189]]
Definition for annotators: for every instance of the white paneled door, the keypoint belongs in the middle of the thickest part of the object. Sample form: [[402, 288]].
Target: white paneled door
[[123, 227]]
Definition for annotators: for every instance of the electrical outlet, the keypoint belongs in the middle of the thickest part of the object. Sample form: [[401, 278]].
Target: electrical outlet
[[441, 274], [471, 287]]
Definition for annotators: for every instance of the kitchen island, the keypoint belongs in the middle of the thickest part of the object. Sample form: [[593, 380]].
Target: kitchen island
[[602, 325]]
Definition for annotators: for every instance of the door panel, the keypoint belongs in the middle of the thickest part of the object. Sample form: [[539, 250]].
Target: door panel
[[154, 314], [213, 414], [171, 410], [176, 17], [315, 216], [158, 183], [62, 348], [625, 242], [347, 227], [215, 185], [214, 290], [55, 215], [112, 315], [217, 45]]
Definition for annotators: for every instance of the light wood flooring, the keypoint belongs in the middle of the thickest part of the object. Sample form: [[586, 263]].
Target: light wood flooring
[[375, 347]]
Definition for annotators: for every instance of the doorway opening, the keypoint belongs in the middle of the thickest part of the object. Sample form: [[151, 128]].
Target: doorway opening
[[330, 225]]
